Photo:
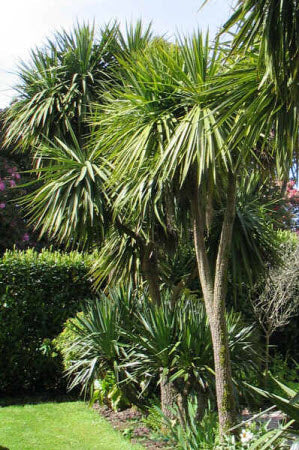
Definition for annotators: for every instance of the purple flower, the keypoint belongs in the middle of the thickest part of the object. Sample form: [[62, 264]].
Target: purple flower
[[25, 237], [12, 183], [2, 186], [17, 176], [2, 205]]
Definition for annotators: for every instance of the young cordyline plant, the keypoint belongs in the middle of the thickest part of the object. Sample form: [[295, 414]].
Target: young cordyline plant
[[145, 345]]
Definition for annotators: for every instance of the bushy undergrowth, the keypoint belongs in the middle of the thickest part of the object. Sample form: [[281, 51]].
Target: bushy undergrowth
[[38, 292], [204, 435]]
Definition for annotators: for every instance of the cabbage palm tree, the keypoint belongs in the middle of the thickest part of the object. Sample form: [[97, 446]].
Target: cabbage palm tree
[[61, 80], [51, 116], [70, 202], [274, 25], [59, 83], [160, 127], [178, 134], [181, 121]]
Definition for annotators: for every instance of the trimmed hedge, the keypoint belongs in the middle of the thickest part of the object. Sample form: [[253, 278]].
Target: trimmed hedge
[[38, 293]]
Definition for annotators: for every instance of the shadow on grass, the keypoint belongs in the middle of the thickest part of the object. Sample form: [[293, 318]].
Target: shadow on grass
[[34, 399]]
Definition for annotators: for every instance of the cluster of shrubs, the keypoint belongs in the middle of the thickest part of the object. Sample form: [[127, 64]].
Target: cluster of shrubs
[[38, 292]]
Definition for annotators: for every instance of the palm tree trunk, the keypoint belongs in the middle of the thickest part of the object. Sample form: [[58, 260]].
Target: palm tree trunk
[[202, 401], [223, 377], [148, 260], [150, 272], [209, 204], [267, 357], [182, 404], [168, 396], [224, 386], [214, 293]]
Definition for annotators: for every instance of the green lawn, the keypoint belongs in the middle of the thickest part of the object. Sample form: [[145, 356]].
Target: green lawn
[[58, 426]]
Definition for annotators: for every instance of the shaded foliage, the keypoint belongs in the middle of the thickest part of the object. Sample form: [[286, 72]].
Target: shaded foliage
[[38, 292]]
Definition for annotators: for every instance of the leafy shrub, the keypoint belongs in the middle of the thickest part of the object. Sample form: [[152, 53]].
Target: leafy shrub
[[63, 342], [38, 292], [105, 389], [99, 347], [107, 392]]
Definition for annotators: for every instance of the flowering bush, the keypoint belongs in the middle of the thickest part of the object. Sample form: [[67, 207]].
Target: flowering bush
[[292, 195], [15, 232], [286, 207], [13, 228]]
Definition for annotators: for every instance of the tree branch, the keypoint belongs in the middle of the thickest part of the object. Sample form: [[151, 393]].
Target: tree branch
[[221, 267]]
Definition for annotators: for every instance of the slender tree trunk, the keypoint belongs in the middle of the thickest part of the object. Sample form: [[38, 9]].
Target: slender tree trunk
[[202, 401], [223, 377], [148, 260], [224, 385], [182, 403], [267, 357], [150, 272], [203, 266], [214, 293], [209, 204]]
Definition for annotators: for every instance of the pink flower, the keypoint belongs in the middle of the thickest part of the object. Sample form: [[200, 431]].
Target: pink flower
[[2, 186], [292, 192], [17, 176], [12, 183], [10, 170], [2, 205], [25, 237]]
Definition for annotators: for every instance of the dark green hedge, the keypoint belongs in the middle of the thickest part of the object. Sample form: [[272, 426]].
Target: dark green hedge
[[38, 292]]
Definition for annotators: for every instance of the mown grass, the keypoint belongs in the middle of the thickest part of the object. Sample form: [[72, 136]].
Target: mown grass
[[60, 426]]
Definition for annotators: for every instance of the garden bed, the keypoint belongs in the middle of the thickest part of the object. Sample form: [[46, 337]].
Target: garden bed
[[130, 423]]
